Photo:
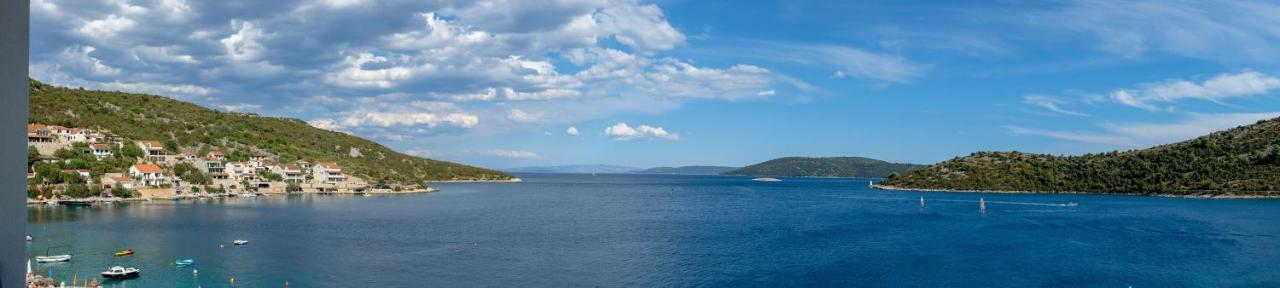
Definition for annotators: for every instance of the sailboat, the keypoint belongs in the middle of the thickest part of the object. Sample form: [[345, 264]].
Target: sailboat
[[982, 204], [921, 200]]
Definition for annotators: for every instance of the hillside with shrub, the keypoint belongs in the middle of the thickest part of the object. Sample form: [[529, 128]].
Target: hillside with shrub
[[180, 125]]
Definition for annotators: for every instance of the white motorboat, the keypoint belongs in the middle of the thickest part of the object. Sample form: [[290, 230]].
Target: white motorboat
[[240, 242], [53, 258], [118, 272]]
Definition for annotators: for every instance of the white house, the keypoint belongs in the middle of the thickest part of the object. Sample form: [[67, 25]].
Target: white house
[[328, 172], [101, 150], [291, 173], [153, 150], [147, 174]]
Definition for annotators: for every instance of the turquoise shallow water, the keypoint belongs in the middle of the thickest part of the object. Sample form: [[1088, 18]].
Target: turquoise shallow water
[[638, 230]]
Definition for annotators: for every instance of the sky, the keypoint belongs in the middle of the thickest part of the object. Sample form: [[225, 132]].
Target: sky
[[665, 83]]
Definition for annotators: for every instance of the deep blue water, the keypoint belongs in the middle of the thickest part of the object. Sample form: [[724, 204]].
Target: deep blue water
[[665, 231]]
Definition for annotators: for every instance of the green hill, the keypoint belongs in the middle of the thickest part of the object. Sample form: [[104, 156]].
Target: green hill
[[1240, 161], [687, 170], [824, 167], [148, 117]]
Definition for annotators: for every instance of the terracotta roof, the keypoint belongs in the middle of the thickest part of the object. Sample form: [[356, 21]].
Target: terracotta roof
[[32, 128], [148, 168], [290, 167], [330, 165], [152, 143], [100, 145]]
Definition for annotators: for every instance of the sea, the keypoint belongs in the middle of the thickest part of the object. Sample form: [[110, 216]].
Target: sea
[[624, 230]]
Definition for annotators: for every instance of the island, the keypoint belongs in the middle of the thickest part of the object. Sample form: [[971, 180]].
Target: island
[[859, 167], [1243, 162]]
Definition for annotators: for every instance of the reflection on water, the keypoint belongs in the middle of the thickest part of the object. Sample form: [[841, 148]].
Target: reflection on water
[[639, 230]]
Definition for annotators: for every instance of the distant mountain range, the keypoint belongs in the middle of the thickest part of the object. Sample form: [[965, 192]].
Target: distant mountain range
[[687, 170], [1243, 161], [573, 169], [825, 167]]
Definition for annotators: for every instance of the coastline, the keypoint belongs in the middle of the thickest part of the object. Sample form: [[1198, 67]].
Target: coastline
[[512, 180], [220, 195], [1165, 195]]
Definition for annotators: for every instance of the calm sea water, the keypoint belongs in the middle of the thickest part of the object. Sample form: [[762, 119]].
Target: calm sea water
[[664, 231]]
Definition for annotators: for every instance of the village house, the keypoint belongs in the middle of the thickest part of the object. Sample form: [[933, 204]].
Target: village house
[[291, 173], [242, 171], [84, 173], [152, 150], [101, 150], [37, 133], [147, 174], [110, 182], [214, 167], [328, 172]]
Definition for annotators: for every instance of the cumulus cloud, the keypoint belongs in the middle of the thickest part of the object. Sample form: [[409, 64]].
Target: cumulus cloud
[[572, 131], [549, 62], [624, 132]]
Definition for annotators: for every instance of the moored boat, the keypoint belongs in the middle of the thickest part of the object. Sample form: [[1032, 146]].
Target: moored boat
[[124, 252], [240, 242], [766, 179], [53, 258], [118, 272], [184, 262]]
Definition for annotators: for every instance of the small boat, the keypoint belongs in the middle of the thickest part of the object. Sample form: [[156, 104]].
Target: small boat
[[240, 242], [125, 252], [982, 204], [766, 179], [118, 272], [29, 238], [184, 262], [921, 200], [53, 258]]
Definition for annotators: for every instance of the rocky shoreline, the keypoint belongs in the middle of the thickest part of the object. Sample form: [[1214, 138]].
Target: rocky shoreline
[[193, 196], [512, 180], [1191, 196]]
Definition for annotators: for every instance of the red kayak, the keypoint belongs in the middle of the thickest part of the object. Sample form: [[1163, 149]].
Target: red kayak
[[125, 252]]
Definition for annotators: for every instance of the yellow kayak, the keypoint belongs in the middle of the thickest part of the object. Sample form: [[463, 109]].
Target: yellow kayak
[[125, 252]]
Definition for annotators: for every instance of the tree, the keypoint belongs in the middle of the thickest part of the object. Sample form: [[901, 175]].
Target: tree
[[171, 146], [292, 188], [33, 155], [131, 151], [120, 191]]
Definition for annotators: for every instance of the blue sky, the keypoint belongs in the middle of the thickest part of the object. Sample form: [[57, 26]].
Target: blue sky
[[501, 83]]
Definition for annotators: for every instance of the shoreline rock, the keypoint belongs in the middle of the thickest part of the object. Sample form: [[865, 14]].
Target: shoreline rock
[[1165, 195]]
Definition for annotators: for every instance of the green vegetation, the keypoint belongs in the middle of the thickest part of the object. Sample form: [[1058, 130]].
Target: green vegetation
[[1240, 161], [687, 170], [147, 117], [824, 167]]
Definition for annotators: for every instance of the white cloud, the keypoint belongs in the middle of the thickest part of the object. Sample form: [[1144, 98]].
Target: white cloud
[[522, 116], [245, 45], [162, 54], [159, 88], [1138, 135], [1216, 89], [366, 70], [838, 75], [624, 132], [518, 154], [767, 93], [1235, 31], [1051, 103], [106, 29], [572, 131], [486, 94], [80, 58]]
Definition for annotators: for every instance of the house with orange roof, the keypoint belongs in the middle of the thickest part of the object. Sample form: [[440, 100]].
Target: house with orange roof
[[147, 174]]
